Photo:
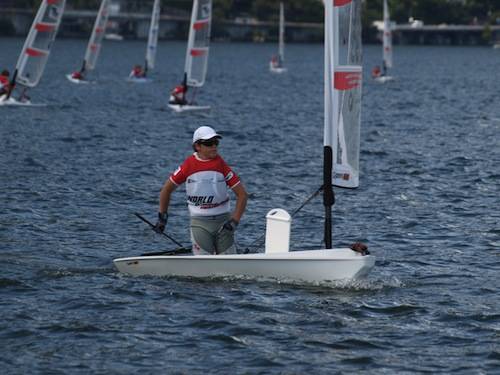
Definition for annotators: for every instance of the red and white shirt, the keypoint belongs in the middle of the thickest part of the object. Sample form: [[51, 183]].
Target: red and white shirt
[[4, 82], [207, 184]]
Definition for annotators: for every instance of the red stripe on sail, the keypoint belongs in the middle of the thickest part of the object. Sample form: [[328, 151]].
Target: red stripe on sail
[[52, 2], [35, 52], [94, 47], [99, 29], [346, 80], [45, 27], [198, 52], [200, 25], [387, 49], [339, 3]]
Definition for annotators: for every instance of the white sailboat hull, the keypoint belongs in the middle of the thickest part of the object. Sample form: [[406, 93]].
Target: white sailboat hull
[[308, 266], [16, 103], [188, 108], [138, 79], [278, 70], [77, 81], [383, 79]]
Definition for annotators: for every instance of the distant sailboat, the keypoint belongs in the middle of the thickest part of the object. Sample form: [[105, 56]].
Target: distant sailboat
[[276, 65], [36, 50], [94, 45], [342, 82], [141, 75], [195, 68], [386, 48]]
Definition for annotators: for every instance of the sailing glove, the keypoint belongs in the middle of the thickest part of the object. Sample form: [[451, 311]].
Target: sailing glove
[[230, 225], [161, 223]]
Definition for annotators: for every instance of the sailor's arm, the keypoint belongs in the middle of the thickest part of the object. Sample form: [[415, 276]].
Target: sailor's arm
[[241, 202], [165, 194]]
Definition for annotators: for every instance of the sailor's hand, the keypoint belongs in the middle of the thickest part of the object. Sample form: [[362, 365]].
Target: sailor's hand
[[230, 225], [360, 247], [161, 223]]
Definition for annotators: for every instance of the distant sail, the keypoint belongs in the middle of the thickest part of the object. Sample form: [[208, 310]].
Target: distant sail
[[343, 76], [198, 43], [387, 37], [36, 49], [95, 41], [153, 36], [281, 50]]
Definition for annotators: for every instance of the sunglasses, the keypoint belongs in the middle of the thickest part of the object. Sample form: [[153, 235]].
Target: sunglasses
[[209, 142]]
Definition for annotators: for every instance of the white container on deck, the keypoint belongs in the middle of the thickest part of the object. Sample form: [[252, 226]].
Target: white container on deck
[[278, 223]]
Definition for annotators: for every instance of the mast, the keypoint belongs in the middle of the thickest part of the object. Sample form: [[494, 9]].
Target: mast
[[342, 102]]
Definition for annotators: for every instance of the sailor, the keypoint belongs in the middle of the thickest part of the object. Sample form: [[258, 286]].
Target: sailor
[[137, 72], [208, 181], [4, 82], [384, 68], [178, 95], [78, 75], [275, 61], [376, 72]]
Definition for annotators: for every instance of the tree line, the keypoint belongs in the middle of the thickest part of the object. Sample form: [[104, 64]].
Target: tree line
[[429, 11]]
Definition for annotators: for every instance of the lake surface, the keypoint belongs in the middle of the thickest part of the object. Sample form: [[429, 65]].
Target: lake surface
[[72, 174]]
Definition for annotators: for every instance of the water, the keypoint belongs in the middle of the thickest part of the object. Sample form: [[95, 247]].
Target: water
[[73, 172]]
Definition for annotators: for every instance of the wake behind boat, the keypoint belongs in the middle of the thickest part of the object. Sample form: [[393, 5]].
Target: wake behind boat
[[341, 131]]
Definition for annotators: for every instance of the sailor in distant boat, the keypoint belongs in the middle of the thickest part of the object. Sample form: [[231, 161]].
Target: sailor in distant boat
[[376, 72], [178, 95], [208, 180], [137, 72], [384, 68], [276, 61], [78, 75], [4, 82]]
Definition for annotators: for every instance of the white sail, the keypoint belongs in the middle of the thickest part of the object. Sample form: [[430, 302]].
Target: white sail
[[198, 43], [95, 41], [387, 37], [343, 75], [36, 49], [153, 36], [281, 50]]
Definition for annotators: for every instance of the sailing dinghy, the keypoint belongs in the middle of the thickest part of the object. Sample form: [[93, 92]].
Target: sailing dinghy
[[151, 47], [93, 46], [386, 48], [195, 68], [276, 65], [341, 165], [35, 53]]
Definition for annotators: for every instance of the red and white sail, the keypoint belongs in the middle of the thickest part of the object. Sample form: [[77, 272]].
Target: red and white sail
[[95, 41], [387, 37], [198, 43], [36, 49], [153, 36], [343, 78]]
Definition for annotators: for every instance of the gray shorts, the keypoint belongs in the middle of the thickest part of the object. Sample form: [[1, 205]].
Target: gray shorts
[[208, 238]]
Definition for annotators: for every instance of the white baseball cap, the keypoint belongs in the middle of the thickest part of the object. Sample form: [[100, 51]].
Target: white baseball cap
[[204, 132]]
